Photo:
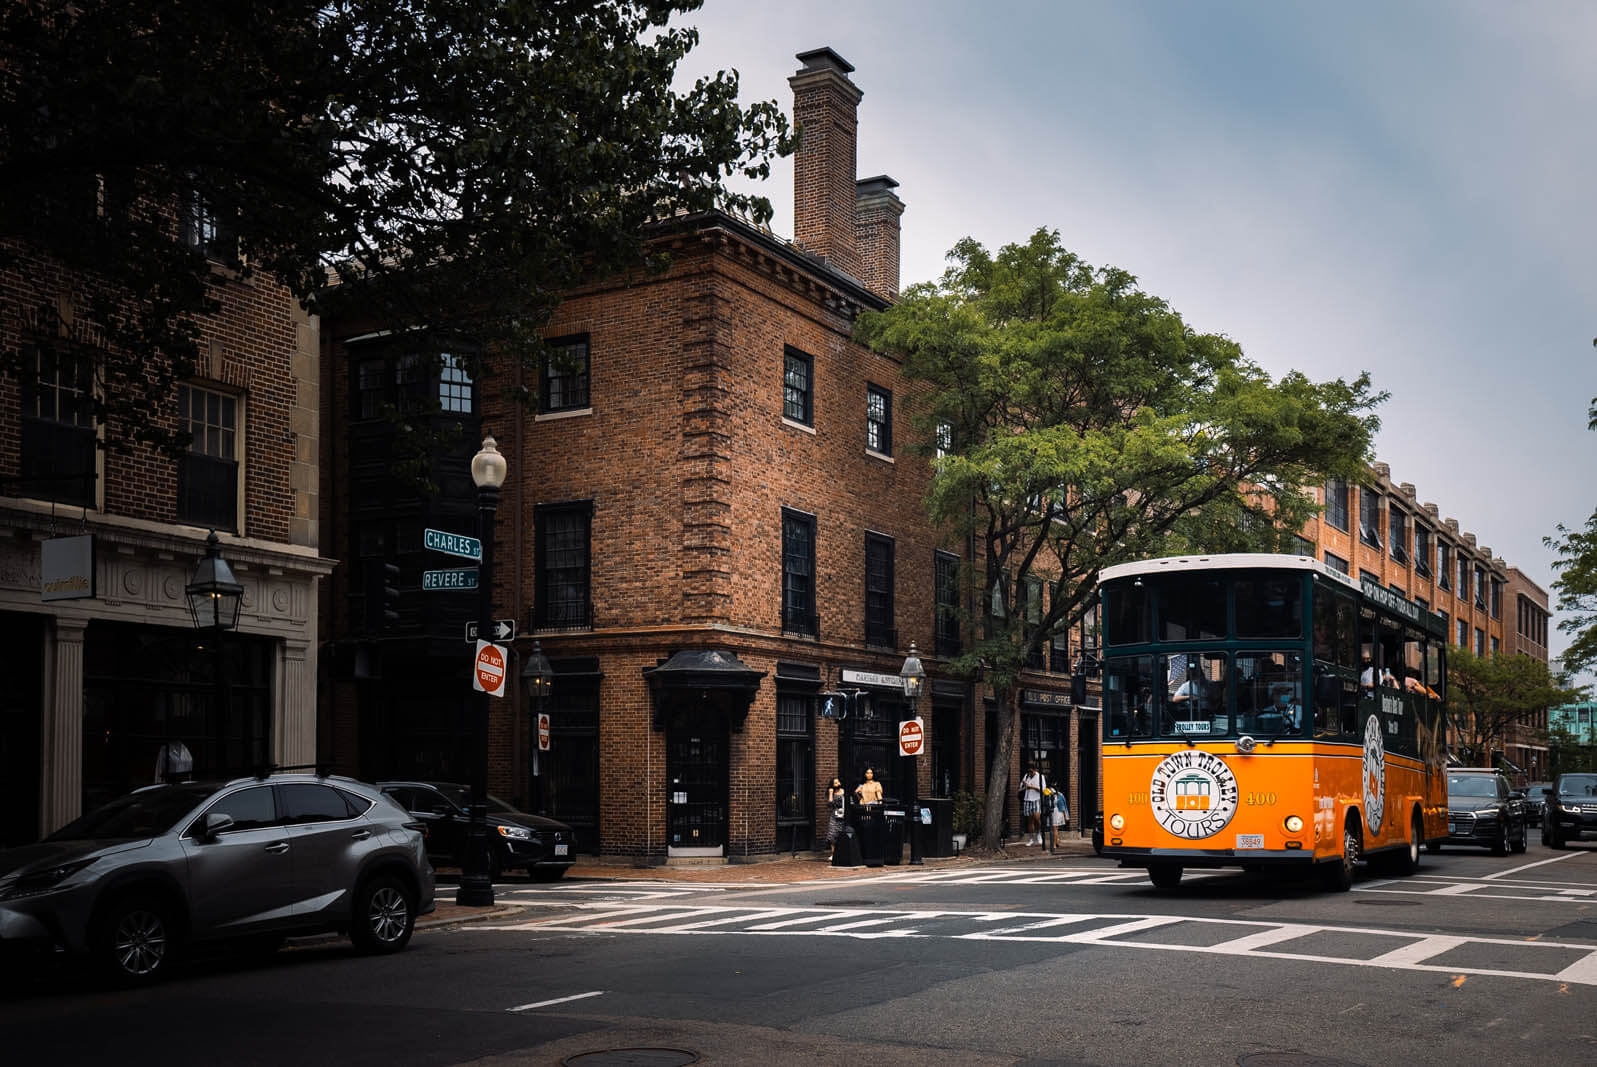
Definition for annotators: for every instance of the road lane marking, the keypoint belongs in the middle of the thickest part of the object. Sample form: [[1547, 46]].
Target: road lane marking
[[1422, 949], [1110, 931], [1528, 866], [557, 1000]]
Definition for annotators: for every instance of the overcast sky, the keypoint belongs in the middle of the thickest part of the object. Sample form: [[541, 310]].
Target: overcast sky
[[1401, 188]]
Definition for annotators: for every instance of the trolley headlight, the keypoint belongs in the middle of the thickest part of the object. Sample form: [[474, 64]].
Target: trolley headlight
[[1294, 824], [1117, 821]]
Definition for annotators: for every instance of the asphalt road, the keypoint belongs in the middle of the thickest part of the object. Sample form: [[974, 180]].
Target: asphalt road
[[1069, 960]]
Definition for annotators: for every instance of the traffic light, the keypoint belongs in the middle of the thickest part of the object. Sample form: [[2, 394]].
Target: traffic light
[[382, 596]]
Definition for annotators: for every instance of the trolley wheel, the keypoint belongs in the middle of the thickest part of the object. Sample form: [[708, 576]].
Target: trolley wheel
[[1406, 861], [1337, 876], [1164, 875]]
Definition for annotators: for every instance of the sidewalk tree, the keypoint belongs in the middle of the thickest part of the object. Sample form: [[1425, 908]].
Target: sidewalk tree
[[467, 160], [1487, 696], [1576, 584], [1075, 421]]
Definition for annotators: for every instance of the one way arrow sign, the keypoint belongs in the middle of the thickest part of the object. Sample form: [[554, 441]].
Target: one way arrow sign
[[504, 630]]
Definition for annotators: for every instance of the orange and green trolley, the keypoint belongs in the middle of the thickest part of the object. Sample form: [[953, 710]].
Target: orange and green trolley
[[1268, 712]]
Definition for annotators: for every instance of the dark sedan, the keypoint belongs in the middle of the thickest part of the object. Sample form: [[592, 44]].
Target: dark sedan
[[1571, 810], [516, 840]]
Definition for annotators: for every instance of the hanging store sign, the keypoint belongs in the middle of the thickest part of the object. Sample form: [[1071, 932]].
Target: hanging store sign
[[67, 568], [880, 681]]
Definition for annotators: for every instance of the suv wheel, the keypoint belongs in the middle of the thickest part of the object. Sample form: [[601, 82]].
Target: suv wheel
[[1500, 846], [1550, 837], [136, 940], [385, 915], [1522, 842]]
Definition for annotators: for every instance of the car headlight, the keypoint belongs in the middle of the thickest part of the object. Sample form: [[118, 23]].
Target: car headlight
[[1573, 809], [31, 885], [1293, 824], [515, 833], [1117, 822]]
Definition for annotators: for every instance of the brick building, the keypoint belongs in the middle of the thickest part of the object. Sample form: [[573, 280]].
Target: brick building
[[714, 517], [103, 661], [1382, 532]]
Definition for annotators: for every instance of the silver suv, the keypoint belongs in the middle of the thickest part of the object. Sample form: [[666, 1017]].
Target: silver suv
[[259, 858]]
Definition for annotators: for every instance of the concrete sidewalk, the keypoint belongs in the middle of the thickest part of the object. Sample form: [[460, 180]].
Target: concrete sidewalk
[[784, 869]]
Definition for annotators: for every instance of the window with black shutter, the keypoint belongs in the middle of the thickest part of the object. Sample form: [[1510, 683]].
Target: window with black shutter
[[57, 438], [563, 566], [207, 474], [798, 574], [946, 565], [879, 592]]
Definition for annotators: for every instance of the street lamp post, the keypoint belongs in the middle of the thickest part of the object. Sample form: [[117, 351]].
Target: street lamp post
[[539, 678], [214, 596], [476, 888], [914, 676]]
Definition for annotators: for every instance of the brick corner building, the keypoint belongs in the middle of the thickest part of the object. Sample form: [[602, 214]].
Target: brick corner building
[[106, 671]]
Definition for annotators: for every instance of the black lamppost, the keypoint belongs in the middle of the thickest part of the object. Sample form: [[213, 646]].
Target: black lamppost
[[914, 676], [214, 596], [538, 677], [476, 888]]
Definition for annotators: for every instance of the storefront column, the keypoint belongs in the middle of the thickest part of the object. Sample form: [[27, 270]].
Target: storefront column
[[294, 707], [61, 788]]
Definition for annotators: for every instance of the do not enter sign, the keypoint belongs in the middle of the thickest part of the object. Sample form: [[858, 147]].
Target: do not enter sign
[[543, 732], [911, 737], [488, 673]]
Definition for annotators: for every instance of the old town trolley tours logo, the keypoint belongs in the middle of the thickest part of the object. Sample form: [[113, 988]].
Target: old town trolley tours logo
[[1193, 794], [1374, 773]]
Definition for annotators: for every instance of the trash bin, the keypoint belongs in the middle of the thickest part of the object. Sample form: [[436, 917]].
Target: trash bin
[[872, 832], [937, 840], [894, 815], [845, 850]]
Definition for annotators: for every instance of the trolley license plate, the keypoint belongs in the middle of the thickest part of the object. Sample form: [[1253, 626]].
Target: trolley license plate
[[1250, 841], [562, 850]]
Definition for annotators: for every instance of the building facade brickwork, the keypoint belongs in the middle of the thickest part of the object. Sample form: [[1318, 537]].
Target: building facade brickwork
[[109, 678]]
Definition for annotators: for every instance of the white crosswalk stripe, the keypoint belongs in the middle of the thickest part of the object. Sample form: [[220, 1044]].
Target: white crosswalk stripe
[[1567, 962]]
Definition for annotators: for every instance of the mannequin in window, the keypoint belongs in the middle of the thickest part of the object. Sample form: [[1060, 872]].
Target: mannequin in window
[[870, 790]]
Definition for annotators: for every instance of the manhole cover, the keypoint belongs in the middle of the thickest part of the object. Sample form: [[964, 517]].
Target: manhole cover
[[851, 903], [633, 1057], [1291, 1059], [1387, 903]]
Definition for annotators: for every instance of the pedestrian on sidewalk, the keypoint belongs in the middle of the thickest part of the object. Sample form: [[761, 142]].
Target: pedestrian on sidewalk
[[1059, 816], [1031, 787], [836, 795]]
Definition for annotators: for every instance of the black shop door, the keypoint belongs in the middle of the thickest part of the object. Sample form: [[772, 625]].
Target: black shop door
[[696, 776]]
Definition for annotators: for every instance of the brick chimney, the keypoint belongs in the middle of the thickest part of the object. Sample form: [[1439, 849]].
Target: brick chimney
[[826, 108], [877, 209]]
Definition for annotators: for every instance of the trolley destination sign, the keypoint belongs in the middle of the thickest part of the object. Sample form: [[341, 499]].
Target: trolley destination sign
[[451, 544]]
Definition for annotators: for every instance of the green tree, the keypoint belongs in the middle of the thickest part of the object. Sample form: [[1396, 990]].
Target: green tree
[[1077, 422], [1576, 584], [1487, 696], [465, 160]]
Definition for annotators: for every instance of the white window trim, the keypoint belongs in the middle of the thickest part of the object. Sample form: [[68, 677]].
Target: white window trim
[[798, 425], [555, 416]]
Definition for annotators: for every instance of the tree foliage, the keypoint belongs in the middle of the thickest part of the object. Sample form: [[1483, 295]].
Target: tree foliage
[[1576, 584], [465, 160], [1077, 421], [1487, 696]]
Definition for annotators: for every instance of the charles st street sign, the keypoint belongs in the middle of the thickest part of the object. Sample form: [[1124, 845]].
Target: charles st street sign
[[452, 544]]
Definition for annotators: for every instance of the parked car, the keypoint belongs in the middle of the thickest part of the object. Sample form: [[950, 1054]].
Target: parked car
[[1536, 802], [1571, 810], [136, 880], [516, 840], [1482, 809]]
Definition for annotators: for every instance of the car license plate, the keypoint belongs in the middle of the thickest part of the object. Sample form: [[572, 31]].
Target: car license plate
[[1250, 840], [561, 850]]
